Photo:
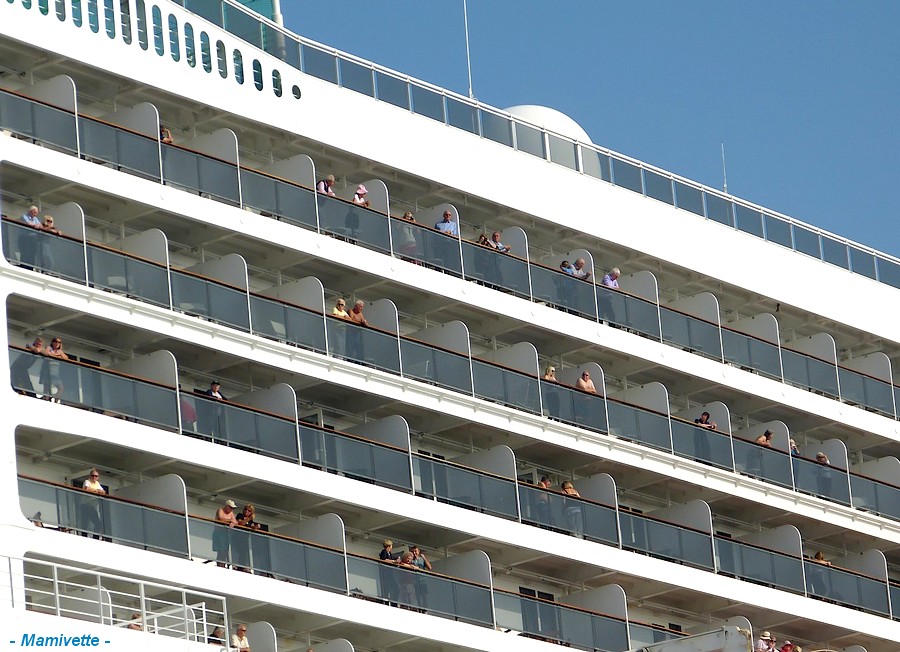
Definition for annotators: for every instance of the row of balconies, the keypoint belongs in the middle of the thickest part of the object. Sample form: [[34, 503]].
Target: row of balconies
[[692, 324]]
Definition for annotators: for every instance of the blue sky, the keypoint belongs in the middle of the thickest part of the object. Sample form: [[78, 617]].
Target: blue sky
[[805, 94]]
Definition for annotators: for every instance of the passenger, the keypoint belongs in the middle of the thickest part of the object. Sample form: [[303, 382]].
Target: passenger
[[221, 539], [494, 243], [578, 270], [763, 643], [566, 266], [407, 581], [550, 373], [765, 439], [241, 543], [823, 475], [787, 647], [822, 458], [215, 392], [136, 622], [28, 240], [389, 585], [419, 559], [53, 377], [324, 186], [89, 509], [573, 510], [705, 422], [239, 642], [340, 309], [407, 245], [585, 383], [794, 450], [20, 375], [45, 259], [356, 313], [447, 225], [609, 282], [165, 136], [359, 197], [217, 637], [611, 279]]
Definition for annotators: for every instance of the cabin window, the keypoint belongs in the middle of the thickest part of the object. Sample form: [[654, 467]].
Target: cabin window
[[276, 83], [205, 53], [238, 59], [221, 59], [190, 48], [158, 43], [257, 75], [174, 40]]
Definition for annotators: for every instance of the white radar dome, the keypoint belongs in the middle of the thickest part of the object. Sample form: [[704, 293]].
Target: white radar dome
[[550, 119]]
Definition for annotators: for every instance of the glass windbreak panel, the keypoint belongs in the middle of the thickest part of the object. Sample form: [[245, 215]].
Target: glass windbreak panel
[[629, 311], [242, 25], [419, 589], [874, 496], [595, 164], [821, 480], [94, 388], [506, 386], [719, 209], [844, 587], [357, 77], [529, 139], [279, 321], [563, 151], [362, 344], [665, 540], [778, 231], [634, 423], [319, 64], [496, 128], [464, 487], [888, 272], [273, 197], [567, 626], [392, 90], [751, 353], [562, 513], [118, 272], [862, 262], [659, 187], [202, 297], [43, 251], [211, 10], [807, 242], [573, 406], [865, 390], [355, 458], [835, 252], [692, 333], [428, 103], [233, 425], [749, 220], [42, 123], [810, 373], [282, 46], [130, 152], [267, 554], [219, 179], [563, 291], [759, 565], [689, 198], [354, 223], [495, 269], [627, 175], [760, 462], [702, 444], [437, 366], [104, 518], [415, 242], [462, 115]]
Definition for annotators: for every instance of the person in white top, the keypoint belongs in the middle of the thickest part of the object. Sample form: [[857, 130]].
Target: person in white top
[[239, 639], [89, 508], [359, 197]]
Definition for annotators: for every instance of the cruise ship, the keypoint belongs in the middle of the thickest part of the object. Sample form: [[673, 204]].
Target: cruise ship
[[294, 358]]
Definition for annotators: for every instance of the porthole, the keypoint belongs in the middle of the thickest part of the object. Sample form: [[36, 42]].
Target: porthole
[[93, 16], [257, 75], [125, 15], [61, 9], [221, 59], [238, 66], [109, 18], [205, 54], [174, 41], [296, 91], [158, 43], [276, 83], [190, 48]]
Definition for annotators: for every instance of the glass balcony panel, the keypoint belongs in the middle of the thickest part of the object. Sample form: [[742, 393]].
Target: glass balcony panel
[[180, 168], [319, 64], [465, 487], [392, 90], [529, 139], [835, 252], [563, 152], [659, 187], [211, 10], [821, 480], [242, 25], [496, 128], [462, 115], [506, 386], [807, 242], [895, 599], [104, 518], [595, 164], [561, 513], [812, 373], [287, 323], [694, 334], [218, 179], [495, 269], [689, 198], [356, 77], [862, 262], [278, 198], [415, 242], [127, 151], [354, 223], [43, 251], [846, 588], [865, 390], [778, 231], [563, 291], [761, 462], [759, 565], [888, 271], [436, 594], [362, 344], [117, 272], [719, 209], [570, 405], [749, 220], [643, 635], [436, 366], [201, 297], [665, 540], [873, 496], [640, 425], [702, 444], [750, 353], [362, 460], [427, 103], [627, 175], [628, 311]]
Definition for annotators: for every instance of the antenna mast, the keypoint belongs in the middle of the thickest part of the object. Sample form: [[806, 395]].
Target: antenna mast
[[468, 58], [724, 173]]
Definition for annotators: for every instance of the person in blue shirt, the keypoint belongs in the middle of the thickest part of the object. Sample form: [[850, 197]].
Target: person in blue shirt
[[448, 226]]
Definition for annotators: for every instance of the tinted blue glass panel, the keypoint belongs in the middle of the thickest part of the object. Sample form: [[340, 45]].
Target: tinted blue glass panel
[[658, 186], [627, 175], [427, 102], [719, 209], [356, 77], [462, 115], [688, 198], [749, 220], [778, 231], [562, 151], [281, 46], [242, 25], [807, 242], [862, 262], [496, 128], [392, 90], [319, 64], [529, 139], [595, 164], [835, 252], [888, 272]]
